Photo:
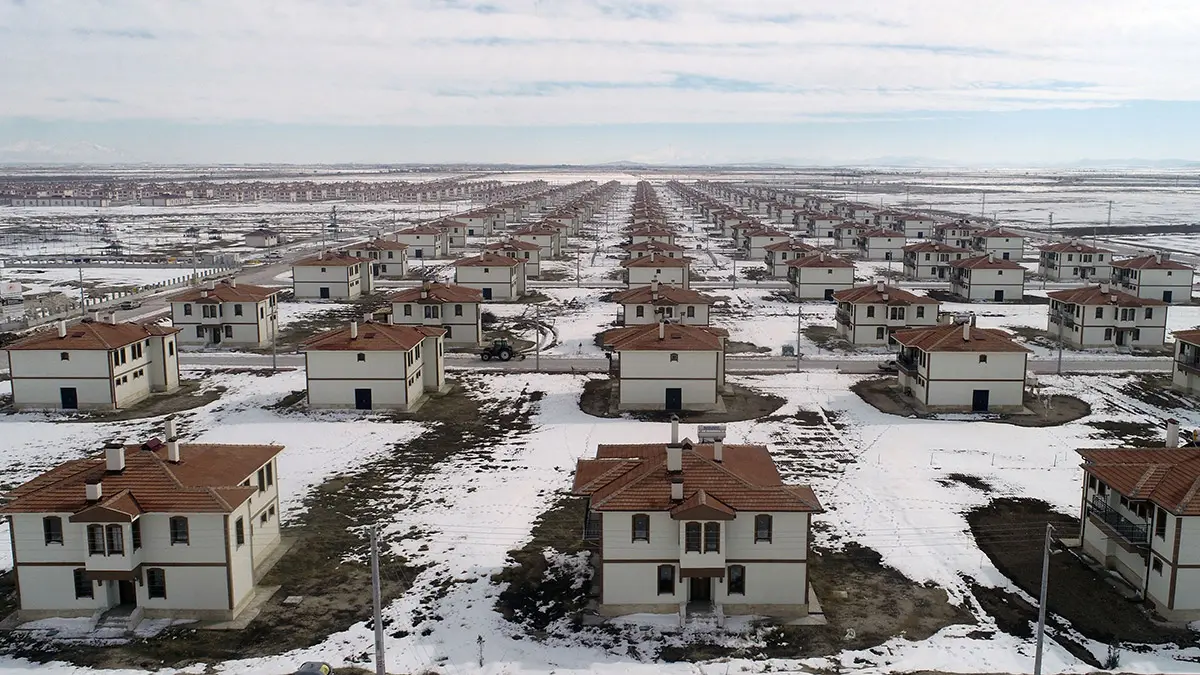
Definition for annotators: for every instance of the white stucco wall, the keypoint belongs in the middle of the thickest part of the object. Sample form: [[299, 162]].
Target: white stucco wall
[[334, 375], [642, 276]]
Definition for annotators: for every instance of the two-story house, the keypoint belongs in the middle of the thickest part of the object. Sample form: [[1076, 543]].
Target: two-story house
[[370, 366], [161, 529], [958, 367], [424, 241], [931, 259], [455, 231], [498, 277], [881, 244], [660, 248], [527, 252], [959, 234], [671, 271], [331, 276], [93, 365], [819, 276], [697, 527], [819, 224], [914, 226], [780, 254], [1140, 518], [868, 315], [987, 277], [758, 240], [226, 313], [453, 308], [1154, 276], [1001, 243], [845, 235], [1074, 261], [1185, 369], [389, 259], [1101, 316], [651, 233], [668, 366], [658, 302], [547, 237]]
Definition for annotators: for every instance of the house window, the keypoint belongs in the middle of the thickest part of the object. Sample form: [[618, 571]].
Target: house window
[[431, 311], [187, 310], [1092, 482], [270, 474], [237, 309], [1160, 523], [641, 527], [1108, 334], [1157, 565], [408, 310], [712, 537], [691, 538], [691, 312], [666, 580], [870, 311], [920, 311], [228, 331], [458, 310], [762, 528], [200, 331], [271, 510], [52, 530], [640, 311], [179, 530], [239, 531], [135, 529], [262, 518], [737, 579], [116, 540], [262, 480], [1099, 312], [83, 585], [362, 357], [674, 357], [156, 582], [64, 356], [880, 333], [1149, 312], [983, 358], [95, 539]]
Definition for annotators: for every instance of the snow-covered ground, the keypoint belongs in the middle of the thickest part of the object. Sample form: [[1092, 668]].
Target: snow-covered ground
[[64, 279]]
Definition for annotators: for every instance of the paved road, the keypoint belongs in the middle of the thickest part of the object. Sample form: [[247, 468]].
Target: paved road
[[734, 364]]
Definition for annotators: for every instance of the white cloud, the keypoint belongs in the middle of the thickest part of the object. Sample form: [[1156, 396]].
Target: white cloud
[[533, 62]]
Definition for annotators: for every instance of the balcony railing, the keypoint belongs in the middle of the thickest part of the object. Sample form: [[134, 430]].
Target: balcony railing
[[1191, 366], [843, 317], [592, 523], [908, 364], [1130, 531]]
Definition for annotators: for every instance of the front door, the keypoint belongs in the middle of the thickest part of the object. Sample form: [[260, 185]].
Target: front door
[[979, 400], [487, 294], [1120, 338], [700, 589], [362, 399], [1167, 295], [828, 293], [674, 398], [324, 293], [420, 253], [216, 335], [999, 296], [69, 397], [126, 595]]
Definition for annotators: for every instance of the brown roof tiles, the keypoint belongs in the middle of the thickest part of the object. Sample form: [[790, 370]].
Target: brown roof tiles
[[92, 335], [1097, 295], [372, 337], [675, 338], [434, 294], [949, 338], [1167, 477]]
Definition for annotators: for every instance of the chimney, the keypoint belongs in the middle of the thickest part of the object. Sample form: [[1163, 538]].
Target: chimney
[[718, 450], [674, 429], [885, 297], [388, 318], [173, 454], [353, 330], [879, 285], [1104, 288], [654, 286], [210, 285], [62, 329], [367, 317], [674, 458], [822, 256], [204, 294], [966, 331], [677, 488], [662, 329], [1172, 433], [424, 289], [169, 430], [93, 491], [232, 282], [991, 257], [114, 457]]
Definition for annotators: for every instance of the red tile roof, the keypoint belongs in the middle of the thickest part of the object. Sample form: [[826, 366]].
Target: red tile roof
[[488, 259], [655, 260], [1073, 247], [1192, 336], [654, 246], [988, 262], [512, 245], [1097, 295], [635, 478], [223, 291], [378, 245], [667, 295], [949, 338], [676, 338], [1150, 262], [537, 228], [91, 335], [767, 232], [437, 294], [1166, 477], [999, 232], [651, 232], [422, 229], [819, 261], [880, 233], [933, 247], [372, 337], [872, 295], [329, 260], [797, 246], [206, 480]]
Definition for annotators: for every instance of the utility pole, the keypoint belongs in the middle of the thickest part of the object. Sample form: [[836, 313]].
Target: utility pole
[[82, 309], [537, 337], [1107, 227], [377, 600], [983, 207], [799, 323], [1061, 320], [1041, 625], [274, 330], [577, 254]]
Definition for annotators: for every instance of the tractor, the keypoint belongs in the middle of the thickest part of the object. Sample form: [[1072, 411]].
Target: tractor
[[499, 349]]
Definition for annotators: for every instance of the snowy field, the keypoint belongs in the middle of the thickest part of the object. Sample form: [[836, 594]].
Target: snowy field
[[64, 279]]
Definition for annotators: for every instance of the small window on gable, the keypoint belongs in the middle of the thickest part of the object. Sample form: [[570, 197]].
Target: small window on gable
[[983, 358], [64, 356], [362, 357], [674, 357], [641, 527]]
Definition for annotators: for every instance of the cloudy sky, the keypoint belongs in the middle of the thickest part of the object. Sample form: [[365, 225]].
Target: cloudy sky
[[578, 81]]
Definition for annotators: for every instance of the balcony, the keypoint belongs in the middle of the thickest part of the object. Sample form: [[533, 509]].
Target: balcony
[[843, 317], [1137, 534], [907, 364], [1068, 320], [1189, 366], [592, 525]]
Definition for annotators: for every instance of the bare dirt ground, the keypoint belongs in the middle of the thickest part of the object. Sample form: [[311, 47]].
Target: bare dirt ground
[[340, 314], [740, 405], [1089, 600], [884, 396]]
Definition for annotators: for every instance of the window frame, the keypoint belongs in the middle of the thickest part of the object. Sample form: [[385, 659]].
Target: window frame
[[665, 579], [759, 529], [712, 537], [639, 527], [693, 537], [239, 532], [175, 531], [114, 545], [47, 534], [156, 589], [95, 546], [79, 576], [736, 584]]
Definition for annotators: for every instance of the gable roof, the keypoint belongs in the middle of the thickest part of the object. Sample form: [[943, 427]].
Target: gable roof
[[1150, 262], [206, 480], [488, 259], [1072, 247], [1192, 336], [512, 245], [675, 338], [224, 291], [932, 247], [651, 231], [999, 232], [438, 294], [378, 245], [329, 260], [949, 338], [989, 262], [421, 229], [873, 295], [634, 477], [537, 228], [880, 232], [767, 232], [655, 260], [1166, 477], [372, 337], [654, 246], [1098, 295], [790, 245], [821, 260], [666, 295], [87, 335]]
